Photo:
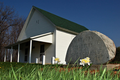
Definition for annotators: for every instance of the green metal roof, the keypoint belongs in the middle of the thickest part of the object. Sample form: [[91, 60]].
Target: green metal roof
[[61, 22]]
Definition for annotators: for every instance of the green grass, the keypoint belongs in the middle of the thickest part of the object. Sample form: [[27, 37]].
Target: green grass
[[26, 71]]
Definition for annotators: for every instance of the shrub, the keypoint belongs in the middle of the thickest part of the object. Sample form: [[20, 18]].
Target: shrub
[[117, 56]]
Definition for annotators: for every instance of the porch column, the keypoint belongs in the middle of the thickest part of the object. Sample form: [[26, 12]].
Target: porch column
[[30, 51], [5, 56], [11, 54], [18, 52]]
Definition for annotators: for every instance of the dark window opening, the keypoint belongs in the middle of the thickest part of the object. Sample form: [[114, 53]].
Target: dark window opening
[[42, 48], [27, 44]]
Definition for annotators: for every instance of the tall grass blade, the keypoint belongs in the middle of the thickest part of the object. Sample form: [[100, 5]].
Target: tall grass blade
[[30, 73], [20, 68], [76, 61], [103, 74], [13, 73]]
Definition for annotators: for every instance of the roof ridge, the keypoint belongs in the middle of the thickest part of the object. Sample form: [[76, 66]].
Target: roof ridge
[[62, 22], [57, 16]]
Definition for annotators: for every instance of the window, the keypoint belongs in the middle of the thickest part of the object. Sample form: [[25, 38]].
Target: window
[[42, 48]]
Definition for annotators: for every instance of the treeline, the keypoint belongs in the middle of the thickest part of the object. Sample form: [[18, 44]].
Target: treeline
[[10, 27]]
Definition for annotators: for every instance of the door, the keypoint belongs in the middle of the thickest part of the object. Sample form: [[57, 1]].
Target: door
[[26, 55], [42, 49]]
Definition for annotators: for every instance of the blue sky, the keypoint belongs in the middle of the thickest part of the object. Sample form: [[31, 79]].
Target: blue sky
[[98, 15]]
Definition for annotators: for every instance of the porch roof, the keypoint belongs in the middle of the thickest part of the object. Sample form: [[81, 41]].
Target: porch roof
[[46, 38]]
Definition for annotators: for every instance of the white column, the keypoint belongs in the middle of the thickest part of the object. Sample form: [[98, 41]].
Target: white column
[[30, 51], [5, 56], [18, 52], [11, 54], [43, 61]]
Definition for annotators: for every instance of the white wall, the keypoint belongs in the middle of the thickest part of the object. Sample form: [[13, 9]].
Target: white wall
[[49, 52], [36, 24], [50, 49], [63, 40]]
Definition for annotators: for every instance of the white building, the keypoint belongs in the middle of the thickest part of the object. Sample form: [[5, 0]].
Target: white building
[[44, 34]]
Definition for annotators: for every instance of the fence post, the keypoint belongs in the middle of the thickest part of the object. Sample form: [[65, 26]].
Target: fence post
[[11, 53], [5, 56], [53, 58], [43, 61], [36, 60]]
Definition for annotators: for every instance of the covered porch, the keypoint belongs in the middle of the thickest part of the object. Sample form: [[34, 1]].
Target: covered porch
[[37, 49]]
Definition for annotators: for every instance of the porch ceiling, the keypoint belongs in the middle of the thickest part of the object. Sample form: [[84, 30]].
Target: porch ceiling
[[44, 38]]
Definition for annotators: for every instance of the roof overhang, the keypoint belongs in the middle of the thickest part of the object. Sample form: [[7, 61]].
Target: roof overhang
[[18, 42], [63, 29], [46, 38]]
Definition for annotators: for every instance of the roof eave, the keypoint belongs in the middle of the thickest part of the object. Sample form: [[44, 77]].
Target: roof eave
[[41, 35], [18, 42], [66, 30]]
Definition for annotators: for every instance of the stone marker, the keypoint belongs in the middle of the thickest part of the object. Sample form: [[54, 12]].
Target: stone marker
[[95, 45]]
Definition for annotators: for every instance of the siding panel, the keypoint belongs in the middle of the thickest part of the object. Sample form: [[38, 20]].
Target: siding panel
[[63, 40]]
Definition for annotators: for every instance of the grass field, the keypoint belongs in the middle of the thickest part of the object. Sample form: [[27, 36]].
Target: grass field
[[26, 71]]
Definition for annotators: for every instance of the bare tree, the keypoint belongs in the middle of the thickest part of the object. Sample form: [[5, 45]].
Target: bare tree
[[15, 30], [7, 17], [10, 27], [6, 20], [14, 33]]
